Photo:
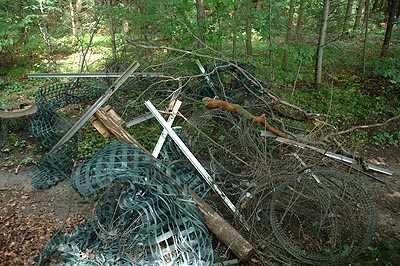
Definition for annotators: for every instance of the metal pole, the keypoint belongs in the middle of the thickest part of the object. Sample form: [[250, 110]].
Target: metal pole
[[90, 112]]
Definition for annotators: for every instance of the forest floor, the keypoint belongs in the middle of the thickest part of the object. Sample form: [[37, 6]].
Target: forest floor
[[28, 217]]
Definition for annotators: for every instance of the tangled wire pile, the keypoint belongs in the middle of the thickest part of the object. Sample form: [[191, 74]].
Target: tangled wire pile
[[143, 218], [294, 219]]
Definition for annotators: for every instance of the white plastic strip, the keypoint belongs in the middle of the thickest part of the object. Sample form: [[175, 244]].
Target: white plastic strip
[[164, 134], [203, 172]]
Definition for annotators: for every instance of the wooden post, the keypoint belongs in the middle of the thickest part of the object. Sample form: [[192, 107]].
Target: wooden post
[[224, 231]]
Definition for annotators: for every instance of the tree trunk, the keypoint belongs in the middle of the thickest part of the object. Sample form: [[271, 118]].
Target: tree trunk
[[288, 34], [360, 9], [349, 11], [365, 34], [234, 33], [72, 15], [125, 23], [300, 18], [270, 44], [78, 10], [201, 17], [112, 33], [321, 43], [249, 46], [392, 9]]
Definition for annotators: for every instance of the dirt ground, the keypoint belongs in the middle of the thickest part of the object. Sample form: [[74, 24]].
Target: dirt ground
[[28, 217]]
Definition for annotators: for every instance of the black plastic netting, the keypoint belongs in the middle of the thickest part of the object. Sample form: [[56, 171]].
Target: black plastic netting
[[143, 216], [48, 126]]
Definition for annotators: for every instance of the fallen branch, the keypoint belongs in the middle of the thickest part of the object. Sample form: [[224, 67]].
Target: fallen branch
[[235, 108], [277, 100], [224, 231], [362, 127]]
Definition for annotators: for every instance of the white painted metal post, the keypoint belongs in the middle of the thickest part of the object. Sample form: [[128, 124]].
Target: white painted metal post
[[203, 172], [164, 133]]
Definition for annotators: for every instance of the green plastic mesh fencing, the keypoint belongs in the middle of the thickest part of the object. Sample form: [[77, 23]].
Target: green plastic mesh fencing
[[48, 126], [177, 165], [92, 177], [144, 217]]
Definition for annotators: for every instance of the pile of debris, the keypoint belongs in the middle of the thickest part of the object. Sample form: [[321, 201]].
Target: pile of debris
[[289, 204]]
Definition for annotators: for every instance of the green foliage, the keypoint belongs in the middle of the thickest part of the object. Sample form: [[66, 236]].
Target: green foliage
[[344, 107], [383, 253], [90, 142], [11, 91], [386, 137], [388, 67], [146, 133]]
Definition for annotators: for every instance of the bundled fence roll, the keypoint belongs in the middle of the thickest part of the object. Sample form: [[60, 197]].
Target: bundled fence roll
[[317, 224], [92, 177], [48, 126], [143, 216]]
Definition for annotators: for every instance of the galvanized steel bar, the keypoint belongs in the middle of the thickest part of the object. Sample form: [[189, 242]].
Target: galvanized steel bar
[[139, 119], [92, 75], [90, 112]]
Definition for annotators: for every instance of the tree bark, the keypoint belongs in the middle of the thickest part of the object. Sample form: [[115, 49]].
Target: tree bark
[[224, 231], [201, 17], [288, 34], [392, 9], [78, 10], [125, 22], [113, 32], [321, 43], [349, 11], [72, 15], [238, 109], [300, 18], [270, 44], [234, 28], [360, 9], [365, 34], [249, 45]]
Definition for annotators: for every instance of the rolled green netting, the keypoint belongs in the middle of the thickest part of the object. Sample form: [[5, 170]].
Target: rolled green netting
[[94, 176], [48, 126], [144, 217], [178, 165]]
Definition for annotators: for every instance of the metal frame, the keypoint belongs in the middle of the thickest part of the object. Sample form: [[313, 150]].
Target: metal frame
[[193, 160]]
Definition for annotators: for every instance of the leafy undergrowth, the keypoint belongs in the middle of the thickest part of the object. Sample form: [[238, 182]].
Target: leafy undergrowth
[[14, 92], [385, 252], [353, 101], [19, 150]]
